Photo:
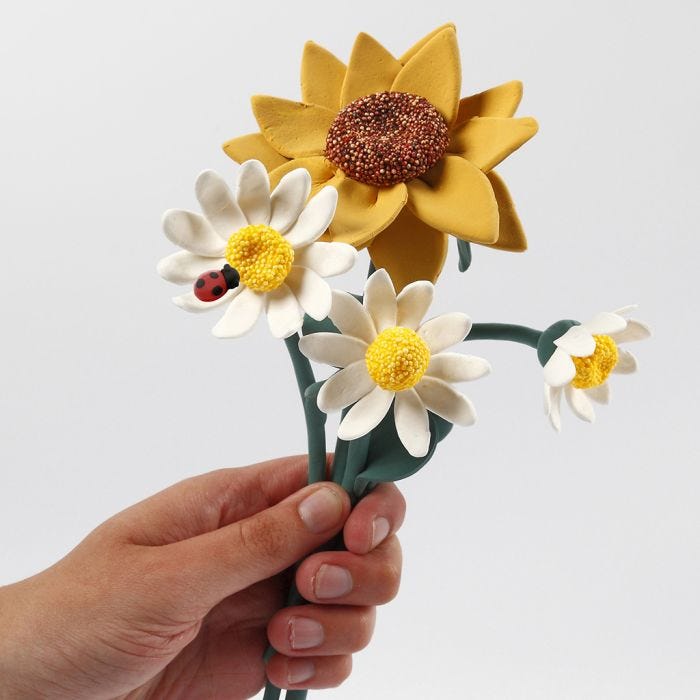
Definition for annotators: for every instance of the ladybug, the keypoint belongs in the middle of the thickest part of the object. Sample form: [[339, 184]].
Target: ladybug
[[213, 284]]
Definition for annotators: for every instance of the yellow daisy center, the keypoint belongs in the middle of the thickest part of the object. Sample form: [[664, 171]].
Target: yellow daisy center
[[595, 369], [261, 255], [397, 358]]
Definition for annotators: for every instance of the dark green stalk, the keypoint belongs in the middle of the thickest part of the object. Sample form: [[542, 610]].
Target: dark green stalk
[[356, 462], [505, 331]]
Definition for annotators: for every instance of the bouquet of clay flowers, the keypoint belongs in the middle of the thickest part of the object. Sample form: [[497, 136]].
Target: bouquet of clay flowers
[[380, 155]]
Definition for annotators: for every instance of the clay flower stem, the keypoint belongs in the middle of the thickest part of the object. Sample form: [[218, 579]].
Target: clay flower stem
[[505, 331]]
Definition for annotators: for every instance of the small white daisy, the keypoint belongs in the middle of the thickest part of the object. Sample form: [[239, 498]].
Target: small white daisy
[[585, 357], [387, 355], [264, 242]]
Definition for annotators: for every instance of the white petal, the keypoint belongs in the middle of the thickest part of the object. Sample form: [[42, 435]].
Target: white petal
[[241, 314], [636, 330], [380, 300], [442, 399], [311, 291], [327, 259], [350, 317], [253, 192], [284, 316], [192, 232], [189, 301], [333, 348], [413, 303], [600, 394], [412, 423], [577, 341], [314, 219], [288, 199], [626, 362], [184, 267], [366, 414], [345, 387], [626, 310], [555, 406], [453, 367], [445, 331], [218, 204], [579, 403], [560, 369], [605, 323]]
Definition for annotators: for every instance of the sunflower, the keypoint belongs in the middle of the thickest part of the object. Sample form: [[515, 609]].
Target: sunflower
[[411, 161]]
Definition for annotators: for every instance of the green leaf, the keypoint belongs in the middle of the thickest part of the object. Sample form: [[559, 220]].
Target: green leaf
[[465, 255]]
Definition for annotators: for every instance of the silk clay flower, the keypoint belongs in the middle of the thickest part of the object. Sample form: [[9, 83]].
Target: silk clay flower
[[411, 161], [253, 251]]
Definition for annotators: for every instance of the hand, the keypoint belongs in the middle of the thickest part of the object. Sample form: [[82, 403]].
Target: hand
[[176, 596]]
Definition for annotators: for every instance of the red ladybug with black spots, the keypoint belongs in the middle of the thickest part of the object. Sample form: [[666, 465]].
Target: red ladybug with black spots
[[213, 284]]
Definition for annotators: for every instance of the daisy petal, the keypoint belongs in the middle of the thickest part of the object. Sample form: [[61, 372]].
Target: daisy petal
[[371, 69], [351, 317], [333, 348], [284, 316], [193, 233], [288, 199], [327, 259], [511, 235], [626, 310], [322, 76], [605, 323], [189, 301], [218, 204], [184, 267], [311, 290], [560, 369], [600, 394], [345, 387], [453, 367], [380, 300], [253, 192], [445, 401], [366, 414], [413, 303], [412, 423], [314, 219], [577, 341], [243, 148], [635, 330], [626, 362], [241, 314], [445, 330], [499, 101], [555, 406], [579, 403]]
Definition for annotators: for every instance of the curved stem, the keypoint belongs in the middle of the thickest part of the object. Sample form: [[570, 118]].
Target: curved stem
[[505, 331]]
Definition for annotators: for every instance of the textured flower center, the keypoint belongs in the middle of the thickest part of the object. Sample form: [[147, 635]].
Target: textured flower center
[[261, 255], [595, 369], [386, 138], [397, 358]]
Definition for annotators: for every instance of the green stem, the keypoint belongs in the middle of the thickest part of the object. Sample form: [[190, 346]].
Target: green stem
[[505, 331], [356, 462]]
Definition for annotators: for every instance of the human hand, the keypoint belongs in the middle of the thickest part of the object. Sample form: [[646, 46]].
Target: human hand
[[175, 597]]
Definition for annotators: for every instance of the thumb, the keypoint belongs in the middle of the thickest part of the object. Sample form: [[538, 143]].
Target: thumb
[[220, 563]]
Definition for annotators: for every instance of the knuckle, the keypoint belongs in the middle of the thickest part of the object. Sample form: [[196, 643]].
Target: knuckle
[[262, 538], [365, 628], [390, 577], [341, 671]]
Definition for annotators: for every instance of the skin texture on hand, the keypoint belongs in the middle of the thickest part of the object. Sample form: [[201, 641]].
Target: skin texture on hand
[[175, 597]]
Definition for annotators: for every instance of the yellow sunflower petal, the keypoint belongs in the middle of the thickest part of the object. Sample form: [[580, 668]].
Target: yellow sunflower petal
[[371, 69], [456, 197], [363, 210], [435, 73], [294, 129], [322, 76], [422, 42], [499, 101], [319, 168], [486, 141], [244, 148], [409, 250], [510, 231]]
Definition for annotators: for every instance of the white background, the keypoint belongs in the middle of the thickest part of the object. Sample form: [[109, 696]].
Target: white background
[[537, 566]]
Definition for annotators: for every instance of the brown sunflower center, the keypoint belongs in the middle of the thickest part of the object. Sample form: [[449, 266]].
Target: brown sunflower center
[[386, 138]]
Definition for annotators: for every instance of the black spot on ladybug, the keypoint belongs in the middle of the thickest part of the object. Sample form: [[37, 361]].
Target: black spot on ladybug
[[200, 284], [214, 275], [217, 291]]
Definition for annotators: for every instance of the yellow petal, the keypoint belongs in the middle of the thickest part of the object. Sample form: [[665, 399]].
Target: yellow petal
[[435, 73], [486, 141], [244, 148], [510, 231], [371, 69], [322, 76], [319, 168], [422, 42], [294, 129], [363, 210], [499, 101], [456, 197], [409, 250]]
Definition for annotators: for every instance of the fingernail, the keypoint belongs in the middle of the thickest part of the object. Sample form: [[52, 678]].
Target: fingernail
[[300, 670], [321, 510], [332, 581], [305, 633], [380, 530]]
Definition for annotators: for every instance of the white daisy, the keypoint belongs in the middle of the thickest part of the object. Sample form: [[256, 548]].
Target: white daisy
[[269, 240], [387, 355], [585, 357]]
